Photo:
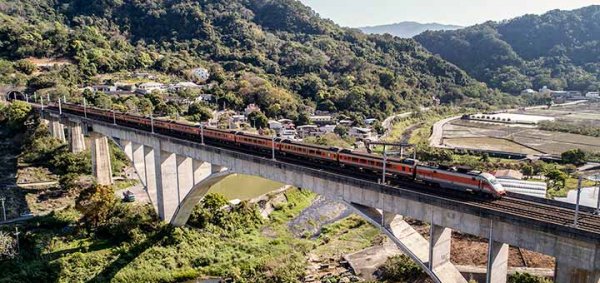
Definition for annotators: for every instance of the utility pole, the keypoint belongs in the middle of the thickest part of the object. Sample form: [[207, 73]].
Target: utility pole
[[575, 221], [17, 235], [273, 146], [202, 132], [2, 199], [85, 108]]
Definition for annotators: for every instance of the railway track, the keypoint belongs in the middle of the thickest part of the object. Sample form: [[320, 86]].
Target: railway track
[[528, 209]]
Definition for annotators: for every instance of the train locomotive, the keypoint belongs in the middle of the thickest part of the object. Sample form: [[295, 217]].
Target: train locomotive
[[443, 178]]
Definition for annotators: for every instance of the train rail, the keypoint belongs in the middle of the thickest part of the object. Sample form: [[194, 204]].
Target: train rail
[[510, 205]]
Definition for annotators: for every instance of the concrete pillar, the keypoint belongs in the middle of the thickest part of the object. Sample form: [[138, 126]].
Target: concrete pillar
[[166, 176], [127, 148], [497, 266], [151, 172], [137, 158], [57, 130], [185, 177], [101, 167], [201, 170], [439, 246], [76, 139], [566, 272]]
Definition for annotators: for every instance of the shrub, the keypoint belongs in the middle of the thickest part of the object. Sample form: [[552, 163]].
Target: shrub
[[400, 268]]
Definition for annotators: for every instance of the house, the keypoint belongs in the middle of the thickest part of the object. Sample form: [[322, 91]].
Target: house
[[286, 123], [251, 108], [289, 134], [104, 88], [308, 131], [201, 74], [204, 97], [370, 121], [508, 174], [320, 119], [362, 133], [528, 91], [327, 129], [346, 122], [149, 87], [183, 85], [274, 125], [592, 94]]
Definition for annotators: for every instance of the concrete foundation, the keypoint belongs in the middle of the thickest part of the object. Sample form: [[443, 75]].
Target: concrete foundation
[[101, 167], [76, 139]]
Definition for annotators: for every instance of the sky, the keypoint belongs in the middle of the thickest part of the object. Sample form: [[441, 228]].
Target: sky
[[358, 13]]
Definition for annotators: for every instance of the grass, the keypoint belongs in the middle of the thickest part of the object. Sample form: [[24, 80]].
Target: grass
[[347, 235]]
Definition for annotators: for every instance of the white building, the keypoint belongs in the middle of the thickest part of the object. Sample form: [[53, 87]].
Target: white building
[[149, 87], [510, 118], [308, 131], [592, 94], [183, 85], [201, 73], [289, 134], [320, 119], [528, 91]]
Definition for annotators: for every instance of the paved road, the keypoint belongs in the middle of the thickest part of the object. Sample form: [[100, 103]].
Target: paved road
[[437, 134]]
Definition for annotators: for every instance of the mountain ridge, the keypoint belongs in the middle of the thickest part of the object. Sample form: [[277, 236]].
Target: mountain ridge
[[407, 29], [559, 49]]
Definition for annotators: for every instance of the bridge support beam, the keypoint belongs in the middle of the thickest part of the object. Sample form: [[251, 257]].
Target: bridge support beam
[[440, 239], [151, 172], [76, 139], [101, 167], [57, 130], [497, 265], [565, 271], [139, 163], [413, 244]]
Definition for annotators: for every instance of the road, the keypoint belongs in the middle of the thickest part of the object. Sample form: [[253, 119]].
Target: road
[[437, 133]]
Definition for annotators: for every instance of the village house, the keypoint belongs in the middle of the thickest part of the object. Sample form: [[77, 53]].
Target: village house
[[149, 87], [362, 133], [183, 85], [308, 131]]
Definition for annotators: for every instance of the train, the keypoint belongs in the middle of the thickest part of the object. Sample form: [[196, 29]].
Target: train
[[444, 178]]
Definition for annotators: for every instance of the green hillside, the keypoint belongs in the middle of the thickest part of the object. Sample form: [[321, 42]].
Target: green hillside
[[560, 49], [278, 54]]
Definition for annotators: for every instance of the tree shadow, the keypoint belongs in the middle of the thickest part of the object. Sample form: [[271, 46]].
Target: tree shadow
[[14, 198], [127, 257]]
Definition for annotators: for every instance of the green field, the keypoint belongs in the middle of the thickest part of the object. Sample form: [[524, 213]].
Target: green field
[[245, 187]]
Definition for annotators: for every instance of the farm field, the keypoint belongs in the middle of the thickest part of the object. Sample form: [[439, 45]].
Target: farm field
[[523, 138]]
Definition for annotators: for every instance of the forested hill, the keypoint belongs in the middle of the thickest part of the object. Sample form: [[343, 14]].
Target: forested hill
[[560, 49], [277, 53]]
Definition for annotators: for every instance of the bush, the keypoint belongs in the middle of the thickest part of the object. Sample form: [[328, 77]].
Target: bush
[[25, 66], [526, 278], [400, 268]]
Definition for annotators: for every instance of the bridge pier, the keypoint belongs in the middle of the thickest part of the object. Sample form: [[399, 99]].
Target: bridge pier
[[76, 139], [497, 265], [57, 130], [440, 244], [565, 271], [101, 167]]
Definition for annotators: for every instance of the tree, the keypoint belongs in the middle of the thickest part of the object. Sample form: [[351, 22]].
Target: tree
[[25, 67], [574, 156], [96, 203], [527, 170], [16, 114], [258, 120], [341, 130], [199, 112], [8, 247], [557, 178], [526, 278]]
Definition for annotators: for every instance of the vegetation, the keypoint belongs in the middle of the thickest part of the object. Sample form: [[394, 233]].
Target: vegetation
[[400, 268], [559, 50], [526, 278], [277, 54], [574, 156], [574, 128]]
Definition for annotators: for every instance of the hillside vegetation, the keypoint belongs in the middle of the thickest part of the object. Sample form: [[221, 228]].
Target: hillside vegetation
[[278, 54], [560, 49]]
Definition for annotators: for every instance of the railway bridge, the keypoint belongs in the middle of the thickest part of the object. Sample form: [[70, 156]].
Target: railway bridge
[[177, 173]]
